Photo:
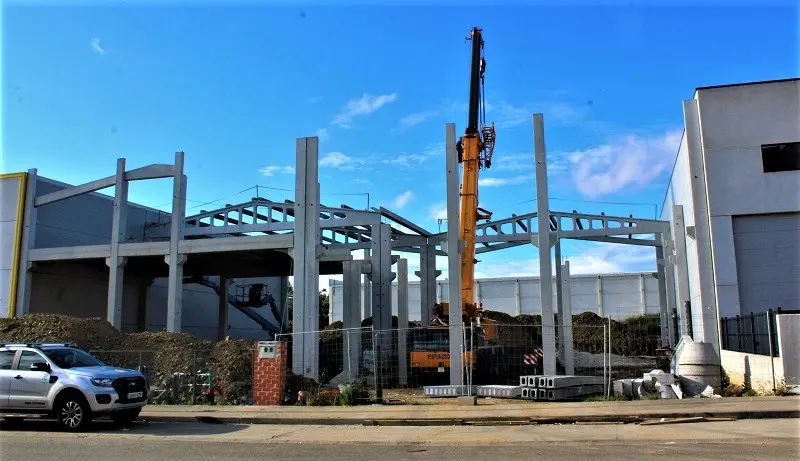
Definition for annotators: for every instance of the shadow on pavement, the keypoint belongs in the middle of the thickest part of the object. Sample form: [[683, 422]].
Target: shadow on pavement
[[141, 427]]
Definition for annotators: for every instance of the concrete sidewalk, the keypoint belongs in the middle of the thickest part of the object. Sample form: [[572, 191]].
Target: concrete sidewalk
[[483, 413]]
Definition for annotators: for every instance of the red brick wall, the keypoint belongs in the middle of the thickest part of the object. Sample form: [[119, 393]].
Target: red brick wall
[[269, 376]]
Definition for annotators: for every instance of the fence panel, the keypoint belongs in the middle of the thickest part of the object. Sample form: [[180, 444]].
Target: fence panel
[[752, 333]]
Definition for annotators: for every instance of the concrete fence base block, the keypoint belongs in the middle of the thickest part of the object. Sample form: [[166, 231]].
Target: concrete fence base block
[[507, 392], [448, 391]]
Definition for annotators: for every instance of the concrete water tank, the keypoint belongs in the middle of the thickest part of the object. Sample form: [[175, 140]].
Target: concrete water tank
[[698, 366]]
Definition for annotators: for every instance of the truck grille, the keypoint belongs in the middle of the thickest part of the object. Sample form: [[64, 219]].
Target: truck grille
[[124, 386]]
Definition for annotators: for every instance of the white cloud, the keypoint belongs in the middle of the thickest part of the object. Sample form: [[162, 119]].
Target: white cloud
[[273, 169], [314, 100], [364, 105], [414, 119], [499, 182], [507, 115], [361, 181], [97, 47], [407, 160], [631, 160], [438, 211], [402, 200], [340, 161], [322, 134]]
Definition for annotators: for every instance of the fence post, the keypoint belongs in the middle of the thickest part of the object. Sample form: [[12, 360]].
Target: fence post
[[771, 350], [753, 333], [723, 328], [375, 367], [739, 333]]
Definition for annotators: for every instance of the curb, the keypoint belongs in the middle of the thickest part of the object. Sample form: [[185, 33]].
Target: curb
[[483, 421]]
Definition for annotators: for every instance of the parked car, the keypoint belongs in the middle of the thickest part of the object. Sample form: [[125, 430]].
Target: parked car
[[67, 383]]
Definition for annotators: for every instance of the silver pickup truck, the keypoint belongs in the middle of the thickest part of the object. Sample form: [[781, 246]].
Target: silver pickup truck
[[64, 382]]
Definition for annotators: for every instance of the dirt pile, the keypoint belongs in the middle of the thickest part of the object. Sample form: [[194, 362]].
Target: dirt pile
[[91, 333], [232, 369]]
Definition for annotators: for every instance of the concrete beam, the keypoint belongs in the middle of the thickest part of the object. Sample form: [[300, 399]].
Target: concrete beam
[[116, 263], [175, 260], [148, 172], [27, 242], [63, 253], [453, 259], [545, 268]]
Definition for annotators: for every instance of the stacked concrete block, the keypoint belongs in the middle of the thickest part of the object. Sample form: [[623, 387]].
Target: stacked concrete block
[[535, 387]]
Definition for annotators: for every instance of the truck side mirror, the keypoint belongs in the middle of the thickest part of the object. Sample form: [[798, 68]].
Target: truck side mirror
[[40, 366]]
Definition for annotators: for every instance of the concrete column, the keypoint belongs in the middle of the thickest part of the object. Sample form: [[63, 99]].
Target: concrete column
[[402, 321], [115, 263], [517, 297], [382, 300], [705, 313], [642, 294], [453, 258], [559, 298], [662, 292], [222, 315], [679, 236], [351, 316], [306, 272], [427, 282], [367, 297], [477, 290], [545, 267], [27, 242], [567, 345], [174, 259], [141, 305], [600, 310], [668, 247]]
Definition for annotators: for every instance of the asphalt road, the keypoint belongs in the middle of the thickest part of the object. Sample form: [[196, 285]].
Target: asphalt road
[[729, 441]]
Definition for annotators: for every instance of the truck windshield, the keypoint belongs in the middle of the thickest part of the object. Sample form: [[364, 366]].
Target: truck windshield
[[72, 358]]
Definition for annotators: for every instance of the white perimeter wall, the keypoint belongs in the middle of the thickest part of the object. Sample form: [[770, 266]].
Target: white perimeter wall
[[621, 295]]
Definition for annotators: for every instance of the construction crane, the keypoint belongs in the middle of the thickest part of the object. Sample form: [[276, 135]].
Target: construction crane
[[429, 346]]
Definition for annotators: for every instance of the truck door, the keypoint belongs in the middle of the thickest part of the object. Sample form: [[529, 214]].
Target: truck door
[[29, 389], [6, 362]]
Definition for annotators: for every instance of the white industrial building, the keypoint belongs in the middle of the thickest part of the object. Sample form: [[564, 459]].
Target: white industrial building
[[736, 180]]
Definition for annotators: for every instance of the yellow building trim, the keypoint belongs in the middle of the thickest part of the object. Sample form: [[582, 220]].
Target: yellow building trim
[[12, 298]]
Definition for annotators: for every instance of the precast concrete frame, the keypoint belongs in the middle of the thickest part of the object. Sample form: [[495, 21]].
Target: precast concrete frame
[[312, 233], [548, 233]]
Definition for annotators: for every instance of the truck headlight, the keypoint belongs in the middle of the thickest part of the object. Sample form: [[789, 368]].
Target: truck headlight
[[102, 382]]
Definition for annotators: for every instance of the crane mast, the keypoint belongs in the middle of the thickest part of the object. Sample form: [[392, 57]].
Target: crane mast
[[474, 153]]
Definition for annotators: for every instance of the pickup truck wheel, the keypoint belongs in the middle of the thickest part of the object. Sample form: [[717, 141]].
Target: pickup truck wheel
[[124, 418], [74, 413]]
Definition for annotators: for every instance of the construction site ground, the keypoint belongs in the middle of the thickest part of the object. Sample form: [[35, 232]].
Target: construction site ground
[[487, 412]]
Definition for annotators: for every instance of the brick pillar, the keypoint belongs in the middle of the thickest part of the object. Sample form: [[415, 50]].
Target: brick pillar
[[270, 362]]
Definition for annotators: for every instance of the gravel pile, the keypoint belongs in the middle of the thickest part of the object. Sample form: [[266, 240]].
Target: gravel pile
[[88, 333]]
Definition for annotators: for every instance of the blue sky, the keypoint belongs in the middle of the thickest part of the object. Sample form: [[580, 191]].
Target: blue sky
[[234, 87]]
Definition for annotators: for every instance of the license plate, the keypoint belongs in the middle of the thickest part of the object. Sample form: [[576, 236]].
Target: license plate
[[135, 395], [441, 370]]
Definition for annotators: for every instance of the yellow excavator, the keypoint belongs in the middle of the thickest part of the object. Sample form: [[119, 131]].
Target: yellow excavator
[[430, 351]]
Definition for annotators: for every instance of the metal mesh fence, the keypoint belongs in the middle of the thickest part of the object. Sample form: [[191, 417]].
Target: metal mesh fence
[[185, 375]]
